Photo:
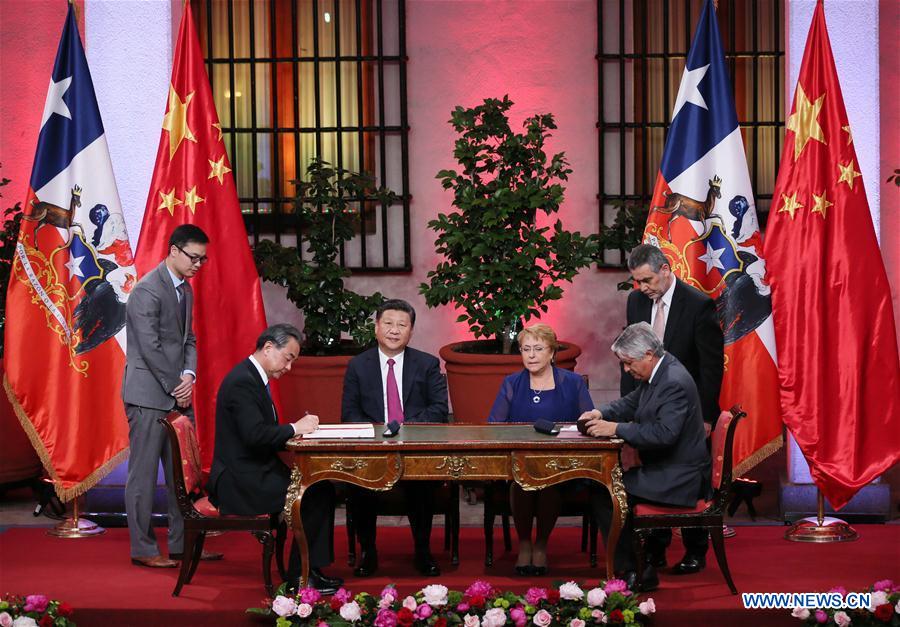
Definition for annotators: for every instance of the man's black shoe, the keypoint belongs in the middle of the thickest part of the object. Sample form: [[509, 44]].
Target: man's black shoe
[[426, 565], [650, 580], [324, 587], [657, 561], [323, 578], [689, 565], [368, 564]]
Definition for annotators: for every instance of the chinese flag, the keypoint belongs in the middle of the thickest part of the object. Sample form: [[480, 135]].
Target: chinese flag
[[837, 345], [193, 183]]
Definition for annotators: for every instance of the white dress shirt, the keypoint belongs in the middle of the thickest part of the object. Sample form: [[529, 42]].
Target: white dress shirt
[[265, 379], [398, 374], [176, 282], [655, 368]]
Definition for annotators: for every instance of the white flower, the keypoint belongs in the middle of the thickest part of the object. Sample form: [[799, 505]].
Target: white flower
[[576, 622], [471, 621], [879, 597], [596, 597], [283, 606], [494, 617], [304, 610], [800, 612], [410, 603], [350, 611], [841, 619], [647, 607], [435, 594], [570, 591], [24, 621]]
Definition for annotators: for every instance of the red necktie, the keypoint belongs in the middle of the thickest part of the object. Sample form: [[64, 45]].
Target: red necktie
[[394, 409]]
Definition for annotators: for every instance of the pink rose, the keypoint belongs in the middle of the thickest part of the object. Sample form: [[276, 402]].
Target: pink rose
[[576, 622], [5, 620], [386, 618], [821, 617], [535, 595], [615, 585], [36, 603], [389, 590], [800, 612], [494, 617], [423, 611], [343, 595], [647, 607], [462, 607], [599, 616], [283, 606], [304, 610], [841, 619], [885, 585], [350, 611], [410, 603], [542, 618], [841, 590], [385, 602], [480, 588], [471, 621], [310, 595], [879, 597], [596, 597]]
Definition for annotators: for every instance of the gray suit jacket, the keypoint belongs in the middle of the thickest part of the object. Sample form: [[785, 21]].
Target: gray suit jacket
[[664, 422], [160, 345]]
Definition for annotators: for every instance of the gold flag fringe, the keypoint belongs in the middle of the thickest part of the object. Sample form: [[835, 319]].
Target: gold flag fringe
[[64, 494], [762, 453]]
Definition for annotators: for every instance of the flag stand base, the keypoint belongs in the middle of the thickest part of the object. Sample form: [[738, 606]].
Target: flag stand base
[[75, 527], [821, 529], [830, 530]]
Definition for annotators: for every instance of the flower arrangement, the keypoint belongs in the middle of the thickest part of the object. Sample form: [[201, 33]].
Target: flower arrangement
[[34, 610], [480, 605], [883, 610]]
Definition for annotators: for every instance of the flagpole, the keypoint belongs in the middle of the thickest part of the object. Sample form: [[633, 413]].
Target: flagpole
[[821, 529], [76, 527]]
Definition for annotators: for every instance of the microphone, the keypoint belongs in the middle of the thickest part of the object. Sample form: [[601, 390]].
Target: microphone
[[546, 426], [392, 429]]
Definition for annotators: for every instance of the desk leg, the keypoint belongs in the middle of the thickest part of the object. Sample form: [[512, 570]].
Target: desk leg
[[620, 513], [295, 521]]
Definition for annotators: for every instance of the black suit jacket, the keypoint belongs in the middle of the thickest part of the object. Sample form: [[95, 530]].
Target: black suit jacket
[[663, 422], [424, 389], [247, 476], [693, 336]]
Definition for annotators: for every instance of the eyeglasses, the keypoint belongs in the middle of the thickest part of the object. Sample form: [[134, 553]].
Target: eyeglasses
[[197, 260], [537, 350]]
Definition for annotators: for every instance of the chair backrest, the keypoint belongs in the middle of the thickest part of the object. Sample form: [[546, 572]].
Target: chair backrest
[[183, 441], [722, 443]]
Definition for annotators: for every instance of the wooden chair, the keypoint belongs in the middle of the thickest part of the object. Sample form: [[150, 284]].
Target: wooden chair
[[705, 514], [201, 517]]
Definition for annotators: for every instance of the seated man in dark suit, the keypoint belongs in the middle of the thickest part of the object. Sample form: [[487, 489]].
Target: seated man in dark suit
[[663, 420], [247, 476], [386, 384]]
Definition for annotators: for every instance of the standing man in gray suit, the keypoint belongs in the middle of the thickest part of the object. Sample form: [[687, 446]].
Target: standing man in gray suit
[[159, 376], [663, 420]]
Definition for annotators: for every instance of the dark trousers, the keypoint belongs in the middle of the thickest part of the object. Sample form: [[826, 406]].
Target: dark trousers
[[317, 512], [695, 540], [418, 499]]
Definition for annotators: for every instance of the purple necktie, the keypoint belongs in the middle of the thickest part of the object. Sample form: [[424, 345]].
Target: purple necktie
[[394, 409]]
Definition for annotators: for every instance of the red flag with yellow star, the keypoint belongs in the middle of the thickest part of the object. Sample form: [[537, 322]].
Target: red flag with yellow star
[[834, 324], [193, 183]]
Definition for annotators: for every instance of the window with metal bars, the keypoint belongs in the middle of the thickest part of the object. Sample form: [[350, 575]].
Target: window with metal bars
[[298, 79], [642, 46]]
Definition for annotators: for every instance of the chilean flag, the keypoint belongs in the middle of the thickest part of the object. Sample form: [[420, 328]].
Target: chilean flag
[[70, 279], [703, 217]]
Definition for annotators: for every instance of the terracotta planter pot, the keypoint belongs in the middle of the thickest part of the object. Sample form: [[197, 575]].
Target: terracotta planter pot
[[314, 385], [475, 378], [19, 460]]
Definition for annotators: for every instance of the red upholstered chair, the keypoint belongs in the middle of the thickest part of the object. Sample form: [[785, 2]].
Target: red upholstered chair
[[201, 517], [706, 514]]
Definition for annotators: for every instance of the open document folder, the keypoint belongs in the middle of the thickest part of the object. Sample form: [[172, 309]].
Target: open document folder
[[341, 431]]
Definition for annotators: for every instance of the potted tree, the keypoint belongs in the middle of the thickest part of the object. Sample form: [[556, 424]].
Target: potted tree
[[337, 321], [501, 266]]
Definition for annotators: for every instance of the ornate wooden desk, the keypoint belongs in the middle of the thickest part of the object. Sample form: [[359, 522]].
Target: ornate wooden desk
[[455, 452]]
